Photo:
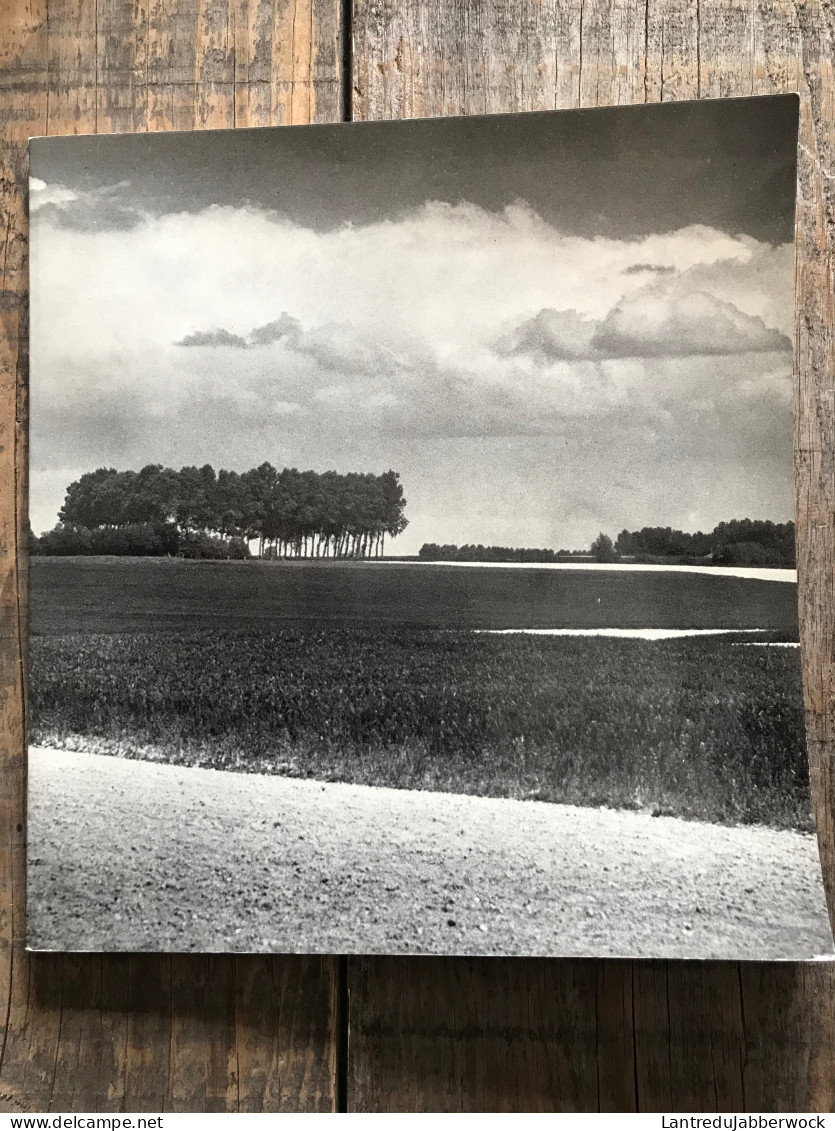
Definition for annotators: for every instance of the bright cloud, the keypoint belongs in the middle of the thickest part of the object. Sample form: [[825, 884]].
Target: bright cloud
[[664, 321], [41, 194]]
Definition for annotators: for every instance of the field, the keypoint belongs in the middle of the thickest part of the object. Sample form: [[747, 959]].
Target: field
[[169, 595], [341, 673]]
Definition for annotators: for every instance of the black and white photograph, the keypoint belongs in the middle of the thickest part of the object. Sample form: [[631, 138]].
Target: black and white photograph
[[412, 555]]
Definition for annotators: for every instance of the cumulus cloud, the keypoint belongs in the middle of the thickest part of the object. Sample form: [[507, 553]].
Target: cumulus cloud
[[283, 327], [662, 322], [333, 346], [450, 326], [213, 339], [337, 348], [552, 335], [656, 321]]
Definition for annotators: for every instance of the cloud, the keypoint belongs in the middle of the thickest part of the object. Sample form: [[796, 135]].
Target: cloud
[[660, 320], [338, 348], [451, 328], [41, 195], [666, 322], [552, 335], [102, 209], [647, 268], [214, 339], [335, 347], [761, 286], [283, 327]]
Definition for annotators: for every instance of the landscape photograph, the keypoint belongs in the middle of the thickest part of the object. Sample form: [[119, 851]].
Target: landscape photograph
[[412, 560]]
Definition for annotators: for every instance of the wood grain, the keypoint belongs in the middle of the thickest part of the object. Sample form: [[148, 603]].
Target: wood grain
[[143, 1033], [134, 1033], [564, 1035]]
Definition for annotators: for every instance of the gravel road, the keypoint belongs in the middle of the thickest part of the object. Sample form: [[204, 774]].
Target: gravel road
[[129, 855]]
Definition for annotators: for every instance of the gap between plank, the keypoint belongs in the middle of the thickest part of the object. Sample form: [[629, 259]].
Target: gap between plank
[[342, 1033], [346, 12]]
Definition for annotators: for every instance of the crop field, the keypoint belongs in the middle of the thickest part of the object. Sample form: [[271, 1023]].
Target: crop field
[[170, 595], [695, 728], [341, 673]]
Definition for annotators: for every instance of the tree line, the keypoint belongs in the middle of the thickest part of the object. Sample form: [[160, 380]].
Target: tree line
[[743, 541], [449, 552], [748, 542], [198, 512]]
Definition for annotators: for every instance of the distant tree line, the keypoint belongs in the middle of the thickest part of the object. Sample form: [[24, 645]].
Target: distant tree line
[[739, 542], [433, 552], [197, 512], [746, 541]]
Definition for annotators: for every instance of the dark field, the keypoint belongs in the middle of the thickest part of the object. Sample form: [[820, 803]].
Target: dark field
[[169, 595], [342, 673]]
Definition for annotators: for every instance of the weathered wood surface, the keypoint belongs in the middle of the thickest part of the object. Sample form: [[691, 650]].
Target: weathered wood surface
[[88, 1032], [191, 1033], [465, 1035]]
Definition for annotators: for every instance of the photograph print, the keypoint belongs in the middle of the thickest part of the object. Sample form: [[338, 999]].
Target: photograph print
[[412, 556]]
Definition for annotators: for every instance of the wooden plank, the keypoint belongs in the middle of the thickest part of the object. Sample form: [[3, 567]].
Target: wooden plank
[[789, 1052], [706, 1036], [815, 412], [463, 1022], [88, 1032]]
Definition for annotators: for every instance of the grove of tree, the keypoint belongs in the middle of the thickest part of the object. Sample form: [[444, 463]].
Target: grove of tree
[[204, 513]]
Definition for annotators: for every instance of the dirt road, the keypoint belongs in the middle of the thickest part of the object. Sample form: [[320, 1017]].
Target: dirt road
[[128, 855]]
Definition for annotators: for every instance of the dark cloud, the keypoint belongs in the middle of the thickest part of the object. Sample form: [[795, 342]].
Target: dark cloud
[[334, 347], [213, 339], [650, 268], [611, 171], [284, 328]]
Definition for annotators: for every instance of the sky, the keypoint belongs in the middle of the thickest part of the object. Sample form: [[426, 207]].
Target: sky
[[550, 324]]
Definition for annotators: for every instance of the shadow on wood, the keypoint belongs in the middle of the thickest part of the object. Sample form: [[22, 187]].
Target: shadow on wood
[[179, 1033], [568, 1035]]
